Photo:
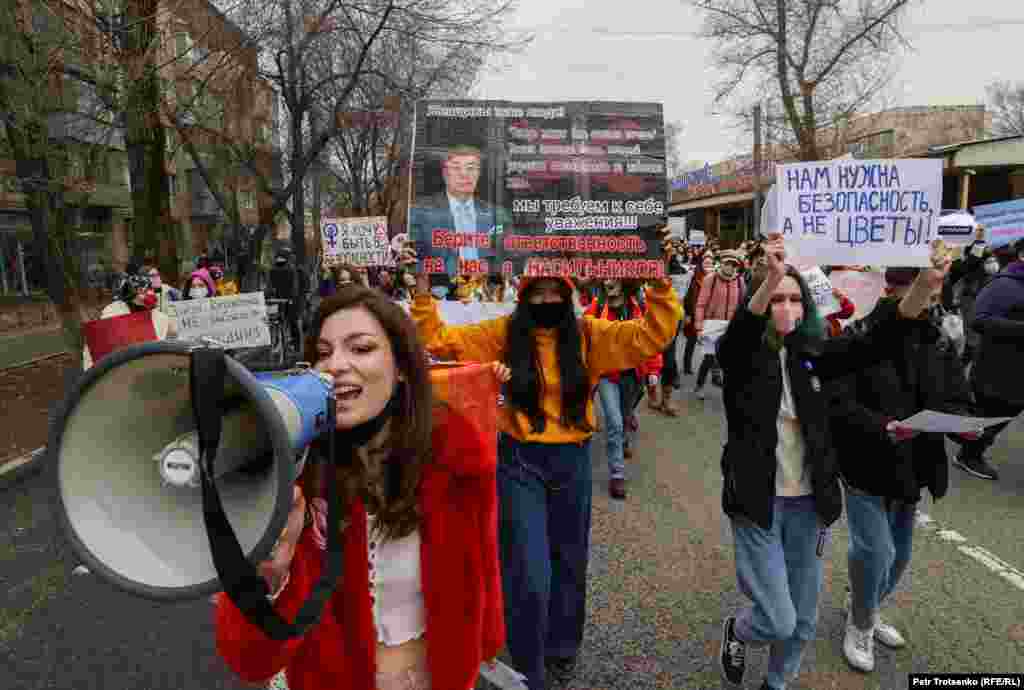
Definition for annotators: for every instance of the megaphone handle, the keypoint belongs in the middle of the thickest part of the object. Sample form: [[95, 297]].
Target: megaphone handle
[[242, 582]]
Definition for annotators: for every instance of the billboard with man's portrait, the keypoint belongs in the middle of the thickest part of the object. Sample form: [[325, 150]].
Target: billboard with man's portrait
[[558, 189]]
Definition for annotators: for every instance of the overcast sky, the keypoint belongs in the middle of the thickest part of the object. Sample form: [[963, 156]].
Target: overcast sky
[[645, 50]]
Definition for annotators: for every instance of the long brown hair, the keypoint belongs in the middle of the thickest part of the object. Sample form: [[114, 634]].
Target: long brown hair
[[392, 492]]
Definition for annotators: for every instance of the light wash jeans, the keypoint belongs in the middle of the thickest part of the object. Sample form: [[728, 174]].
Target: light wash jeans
[[780, 571], [881, 539], [609, 395]]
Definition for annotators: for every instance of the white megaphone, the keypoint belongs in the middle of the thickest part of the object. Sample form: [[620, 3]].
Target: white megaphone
[[128, 470]]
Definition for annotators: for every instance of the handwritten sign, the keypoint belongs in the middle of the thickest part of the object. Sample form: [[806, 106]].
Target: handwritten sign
[[697, 238], [821, 290], [864, 288], [681, 283], [1004, 222], [878, 212], [455, 313], [957, 228], [356, 241], [237, 321]]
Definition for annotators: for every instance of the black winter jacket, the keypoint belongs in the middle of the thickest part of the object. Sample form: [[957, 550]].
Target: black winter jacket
[[999, 318], [753, 394], [925, 374]]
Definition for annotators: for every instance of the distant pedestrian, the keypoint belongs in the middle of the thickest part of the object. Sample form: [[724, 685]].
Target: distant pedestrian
[[997, 377]]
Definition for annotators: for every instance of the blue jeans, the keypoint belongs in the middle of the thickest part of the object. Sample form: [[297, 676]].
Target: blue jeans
[[780, 571], [881, 539], [544, 492], [618, 437]]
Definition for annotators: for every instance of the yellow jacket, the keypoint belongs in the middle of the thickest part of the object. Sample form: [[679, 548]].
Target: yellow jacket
[[607, 346]]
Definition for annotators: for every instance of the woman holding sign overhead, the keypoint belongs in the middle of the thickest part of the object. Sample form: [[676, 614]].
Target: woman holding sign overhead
[[781, 484], [544, 483]]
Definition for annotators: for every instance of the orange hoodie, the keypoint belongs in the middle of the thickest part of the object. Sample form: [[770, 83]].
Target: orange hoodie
[[608, 346]]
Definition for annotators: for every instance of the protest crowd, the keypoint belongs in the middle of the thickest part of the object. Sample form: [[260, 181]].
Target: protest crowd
[[473, 359], [813, 401]]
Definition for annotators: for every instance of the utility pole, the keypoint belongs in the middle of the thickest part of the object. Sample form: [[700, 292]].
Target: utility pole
[[757, 170]]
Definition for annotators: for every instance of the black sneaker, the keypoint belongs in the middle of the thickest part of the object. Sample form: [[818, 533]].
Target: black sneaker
[[560, 671], [979, 467], [733, 656]]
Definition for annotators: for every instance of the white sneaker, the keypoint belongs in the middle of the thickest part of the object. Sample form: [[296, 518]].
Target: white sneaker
[[888, 635], [699, 393], [859, 648], [884, 633]]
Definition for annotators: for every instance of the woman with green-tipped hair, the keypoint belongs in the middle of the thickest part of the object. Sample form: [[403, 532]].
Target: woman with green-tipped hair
[[781, 479]]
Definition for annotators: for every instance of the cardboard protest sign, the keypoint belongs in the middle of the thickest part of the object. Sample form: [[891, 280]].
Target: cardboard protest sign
[[237, 321], [821, 290], [681, 283], [864, 288], [455, 313], [104, 336], [957, 228], [559, 189], [1004, 222], [356, 241], [877, 212], [677, 227]]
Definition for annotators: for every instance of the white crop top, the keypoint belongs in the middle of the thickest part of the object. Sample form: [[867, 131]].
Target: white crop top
[[395, 587], [396, 590]]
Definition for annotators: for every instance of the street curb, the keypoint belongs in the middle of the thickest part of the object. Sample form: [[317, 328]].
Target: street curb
[[13, 471], [34, 360]]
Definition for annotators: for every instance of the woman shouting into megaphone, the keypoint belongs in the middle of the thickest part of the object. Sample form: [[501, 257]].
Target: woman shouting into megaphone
[[419, 603]]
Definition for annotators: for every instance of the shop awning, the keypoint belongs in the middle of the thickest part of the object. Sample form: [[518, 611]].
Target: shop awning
[[721, 200]]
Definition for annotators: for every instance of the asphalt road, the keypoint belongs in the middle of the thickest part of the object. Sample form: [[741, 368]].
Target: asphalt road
[[661, 580]]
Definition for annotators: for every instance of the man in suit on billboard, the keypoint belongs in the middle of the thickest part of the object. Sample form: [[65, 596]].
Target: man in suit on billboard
[[459, 210]]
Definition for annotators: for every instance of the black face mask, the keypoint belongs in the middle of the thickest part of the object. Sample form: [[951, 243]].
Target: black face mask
[[548, 314]]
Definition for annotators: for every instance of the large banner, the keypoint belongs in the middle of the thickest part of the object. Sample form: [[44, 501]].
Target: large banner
[[558, 189], [876, 212], [1004, 221]]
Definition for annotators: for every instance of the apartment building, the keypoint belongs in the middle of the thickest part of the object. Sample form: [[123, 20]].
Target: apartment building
[[209, 85]]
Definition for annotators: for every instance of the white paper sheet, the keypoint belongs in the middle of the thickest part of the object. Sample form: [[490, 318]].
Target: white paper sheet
[[931, 422]]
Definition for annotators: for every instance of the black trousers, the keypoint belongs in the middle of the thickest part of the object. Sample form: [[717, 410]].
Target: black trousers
[[989, 407], [708, 364], [691, 346], [670, 365]]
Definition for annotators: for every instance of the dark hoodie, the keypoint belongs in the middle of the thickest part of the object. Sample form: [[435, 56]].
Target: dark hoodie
[[999, 318], [923, 373]]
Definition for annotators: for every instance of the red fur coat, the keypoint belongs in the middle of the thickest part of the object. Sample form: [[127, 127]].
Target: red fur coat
[[461, 585]]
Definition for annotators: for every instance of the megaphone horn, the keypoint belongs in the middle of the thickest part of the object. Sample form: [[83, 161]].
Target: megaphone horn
[[128, 466]]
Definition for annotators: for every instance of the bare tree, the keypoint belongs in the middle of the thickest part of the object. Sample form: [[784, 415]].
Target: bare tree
[[673, 156], [62, 134], [1007, 102], [824, 60], [369, 157], [321, 56]]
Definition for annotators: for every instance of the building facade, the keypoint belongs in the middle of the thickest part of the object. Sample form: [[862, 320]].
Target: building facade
[[210, 93], [718, 198]]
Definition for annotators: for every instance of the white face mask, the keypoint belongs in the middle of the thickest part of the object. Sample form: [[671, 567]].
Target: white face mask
[[991, 267], [197, 293]]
